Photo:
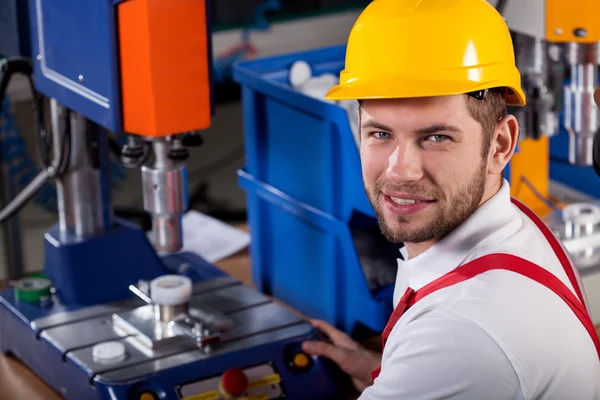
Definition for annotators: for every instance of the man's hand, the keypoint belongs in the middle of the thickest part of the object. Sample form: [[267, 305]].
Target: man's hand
[[355, 360]]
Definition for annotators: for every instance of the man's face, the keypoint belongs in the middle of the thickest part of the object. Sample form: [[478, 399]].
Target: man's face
[[423, 167]]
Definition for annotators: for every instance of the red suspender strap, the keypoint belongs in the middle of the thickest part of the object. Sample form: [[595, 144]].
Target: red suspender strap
[[396, 315], [520, 266], [558, 249]]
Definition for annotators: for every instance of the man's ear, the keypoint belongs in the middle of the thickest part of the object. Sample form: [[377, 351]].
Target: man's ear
[[503, 144]]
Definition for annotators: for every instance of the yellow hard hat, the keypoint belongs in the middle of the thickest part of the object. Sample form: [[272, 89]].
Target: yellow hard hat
[[422, 48]]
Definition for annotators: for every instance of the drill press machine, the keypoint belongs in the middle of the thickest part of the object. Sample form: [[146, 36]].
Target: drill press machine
[[116, 315]]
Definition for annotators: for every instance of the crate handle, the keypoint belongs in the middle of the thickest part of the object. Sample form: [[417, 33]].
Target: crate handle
[[310, 214]]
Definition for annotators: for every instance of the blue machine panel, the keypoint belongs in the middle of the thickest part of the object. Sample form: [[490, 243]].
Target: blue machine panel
[[75, 46]]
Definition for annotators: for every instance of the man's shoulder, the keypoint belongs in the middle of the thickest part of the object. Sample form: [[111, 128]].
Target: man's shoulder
[[527, 242], [447, 355], [528, 347]]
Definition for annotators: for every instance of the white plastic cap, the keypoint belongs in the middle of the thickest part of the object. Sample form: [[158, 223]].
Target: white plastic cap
[[300, 73], [171, 290], [109, 352]]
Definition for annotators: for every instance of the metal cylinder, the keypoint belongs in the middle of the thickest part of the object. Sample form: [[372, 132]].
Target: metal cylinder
[[581, 53], [581, 113], [539, 119], [166, 313], [166, 198], [167, 234], [83, 189]]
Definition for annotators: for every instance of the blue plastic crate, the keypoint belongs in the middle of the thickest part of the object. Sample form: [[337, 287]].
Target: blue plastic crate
[[313, 229]]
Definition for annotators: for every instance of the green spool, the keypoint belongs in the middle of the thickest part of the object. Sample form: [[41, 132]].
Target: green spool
[[32, 289]]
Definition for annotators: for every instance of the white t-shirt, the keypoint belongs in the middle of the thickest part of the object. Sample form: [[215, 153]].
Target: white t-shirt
[[496, 336]]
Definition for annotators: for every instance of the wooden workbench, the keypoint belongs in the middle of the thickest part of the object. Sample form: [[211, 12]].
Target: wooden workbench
[[18, 382]]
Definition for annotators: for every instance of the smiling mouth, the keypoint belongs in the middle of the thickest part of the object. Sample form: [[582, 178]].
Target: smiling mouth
[[400, 201], [404, 206]]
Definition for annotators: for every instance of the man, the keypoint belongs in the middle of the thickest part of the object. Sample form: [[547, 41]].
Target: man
[[488, 305]]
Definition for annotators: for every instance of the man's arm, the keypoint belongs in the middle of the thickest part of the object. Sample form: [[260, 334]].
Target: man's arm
[[444, 358]]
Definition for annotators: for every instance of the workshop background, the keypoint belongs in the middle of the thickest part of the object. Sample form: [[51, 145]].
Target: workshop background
[[241, 30]]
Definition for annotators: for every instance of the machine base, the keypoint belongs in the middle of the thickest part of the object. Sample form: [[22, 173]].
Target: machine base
[[57, 342]]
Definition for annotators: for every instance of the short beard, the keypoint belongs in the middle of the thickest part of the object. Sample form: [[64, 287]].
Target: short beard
[[447, 218]]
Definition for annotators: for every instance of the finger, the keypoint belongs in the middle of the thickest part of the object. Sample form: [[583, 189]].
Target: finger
[[342, 357], [597, 97], [337, 337]]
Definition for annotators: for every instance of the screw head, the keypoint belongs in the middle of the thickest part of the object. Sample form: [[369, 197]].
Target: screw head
[[80, 77], [558, 31]]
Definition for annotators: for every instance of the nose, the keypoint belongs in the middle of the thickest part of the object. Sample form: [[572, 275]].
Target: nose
[[404, 165]]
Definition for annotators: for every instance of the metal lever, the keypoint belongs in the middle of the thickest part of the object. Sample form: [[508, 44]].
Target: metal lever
[[56, 168], [26, 194], [142, 291]]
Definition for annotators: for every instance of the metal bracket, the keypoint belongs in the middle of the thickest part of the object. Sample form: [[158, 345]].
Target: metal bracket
[[203, 327]]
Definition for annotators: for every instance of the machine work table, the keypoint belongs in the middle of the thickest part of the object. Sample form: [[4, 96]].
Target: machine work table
[[18, 382]]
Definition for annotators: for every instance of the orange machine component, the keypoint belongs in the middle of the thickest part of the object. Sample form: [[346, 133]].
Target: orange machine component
[[572, 21], [165, 84], [530, 173]]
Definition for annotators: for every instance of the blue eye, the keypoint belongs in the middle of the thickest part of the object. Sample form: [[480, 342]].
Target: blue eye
[[438, 138], [381, 135]]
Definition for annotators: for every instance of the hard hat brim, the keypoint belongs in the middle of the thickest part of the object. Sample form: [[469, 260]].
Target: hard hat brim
[[411, 88]]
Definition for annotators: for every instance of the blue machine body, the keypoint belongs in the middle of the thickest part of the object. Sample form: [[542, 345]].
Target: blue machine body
[[75, 54]]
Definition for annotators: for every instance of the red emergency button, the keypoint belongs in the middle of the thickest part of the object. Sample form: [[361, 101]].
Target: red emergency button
[[234, 383]]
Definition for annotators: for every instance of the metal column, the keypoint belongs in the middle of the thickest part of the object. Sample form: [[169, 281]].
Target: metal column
[[82, 190]]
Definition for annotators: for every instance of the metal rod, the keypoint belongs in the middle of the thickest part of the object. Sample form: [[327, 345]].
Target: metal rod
[[135, 290], [57, 114], [20, 200]]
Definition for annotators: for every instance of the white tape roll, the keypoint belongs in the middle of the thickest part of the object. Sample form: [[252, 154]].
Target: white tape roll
[[171, 290]]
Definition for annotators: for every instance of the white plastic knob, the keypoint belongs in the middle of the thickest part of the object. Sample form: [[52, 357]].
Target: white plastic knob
[[300, 73], [171, 290], [109, 352]]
